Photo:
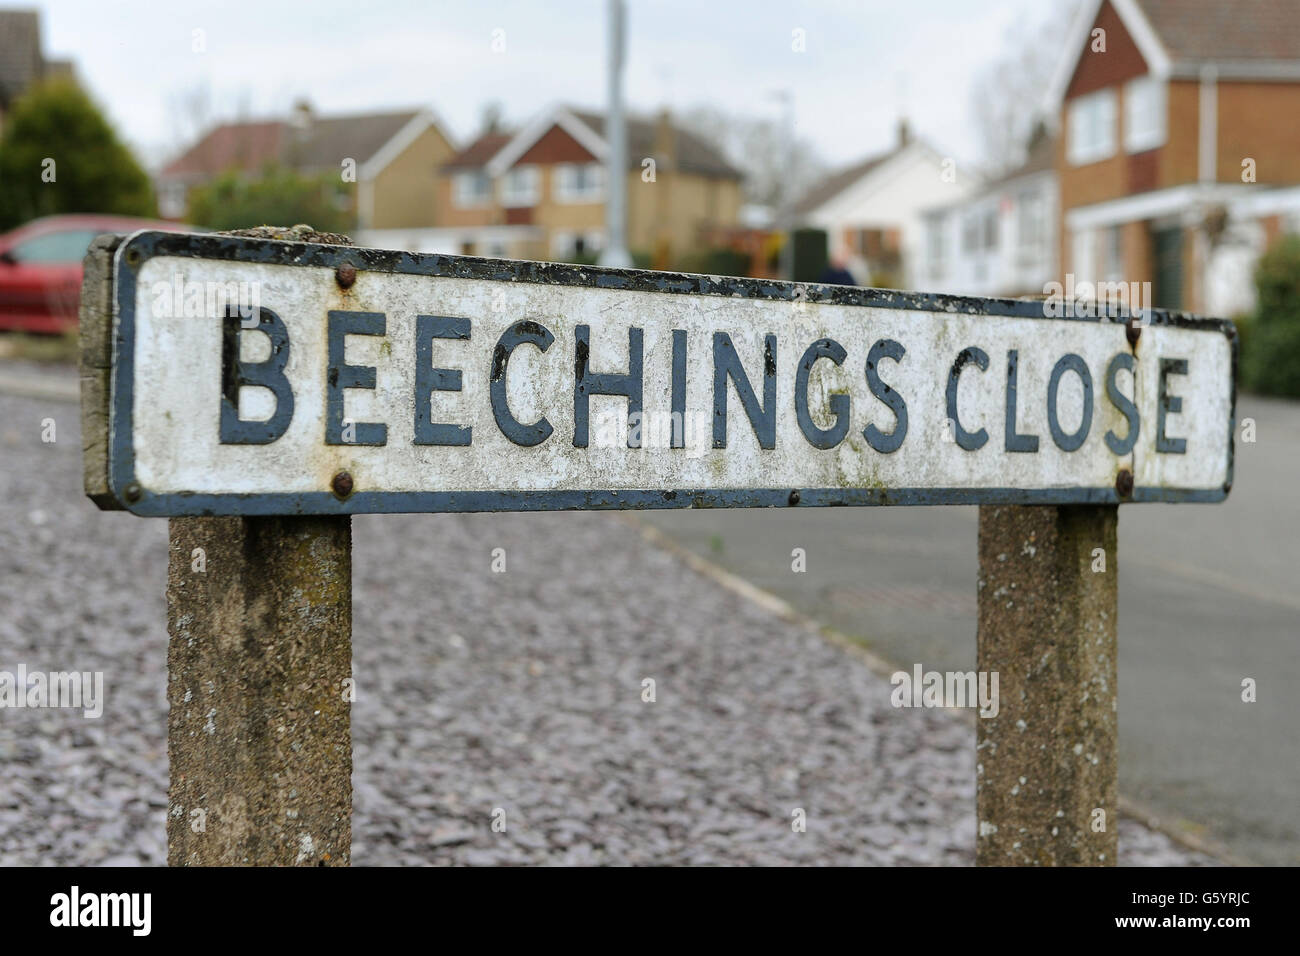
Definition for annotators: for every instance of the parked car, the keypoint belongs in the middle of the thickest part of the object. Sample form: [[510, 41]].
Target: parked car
[[40, 268]]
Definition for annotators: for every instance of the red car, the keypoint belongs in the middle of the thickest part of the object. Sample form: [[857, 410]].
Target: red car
[[40, 268]]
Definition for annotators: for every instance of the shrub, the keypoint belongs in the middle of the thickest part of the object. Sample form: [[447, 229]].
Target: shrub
[[1270, 343], [60, 155], [277, 196], [720, 261]]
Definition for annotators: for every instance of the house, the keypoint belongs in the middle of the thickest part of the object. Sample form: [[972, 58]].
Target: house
[[1001, 240], [1179, 154], [392, 158], [539, 192], [873, 211], [21, 60]]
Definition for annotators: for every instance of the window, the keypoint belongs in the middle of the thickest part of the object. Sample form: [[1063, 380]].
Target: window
[[472, 188], [1032, 222], [171, 200], [970, 234], [519, 188], [935, 246], [1144, 114], [69, 246], [1113, 250], [991, 230], [1091, 135], [575, 247], [585, 183], [1082, 259]]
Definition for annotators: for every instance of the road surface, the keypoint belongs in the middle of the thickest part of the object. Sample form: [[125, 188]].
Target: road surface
[[1209, 595]]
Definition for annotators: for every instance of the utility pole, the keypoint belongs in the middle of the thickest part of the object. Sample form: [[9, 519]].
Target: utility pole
[[615, 253], [786, 214]]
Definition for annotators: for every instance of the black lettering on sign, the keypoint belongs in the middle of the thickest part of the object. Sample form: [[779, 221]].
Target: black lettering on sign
[[429, 379], [523, 332], [1167, 404], [268, 374], [1069, 363], [839, 404], [969, 441], [679, 389], [881, 442], [340, 376], [1122, 360], [1014, 440], [587, 383], [726, 364]]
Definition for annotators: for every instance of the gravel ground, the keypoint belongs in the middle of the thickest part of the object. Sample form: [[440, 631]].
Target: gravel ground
[[481, 692]]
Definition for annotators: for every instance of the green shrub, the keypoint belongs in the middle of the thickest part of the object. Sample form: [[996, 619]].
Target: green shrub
[[720, 261], [277, 195], [1270, 340], [60, 155], [811, 256], [1271, 364]]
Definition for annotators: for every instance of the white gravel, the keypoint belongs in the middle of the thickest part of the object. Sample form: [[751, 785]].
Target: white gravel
[[481, 692]]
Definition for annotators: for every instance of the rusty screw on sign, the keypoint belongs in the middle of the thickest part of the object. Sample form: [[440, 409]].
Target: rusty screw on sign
[[1133, 331], [345, 275], [342, 485], [1124, 483]]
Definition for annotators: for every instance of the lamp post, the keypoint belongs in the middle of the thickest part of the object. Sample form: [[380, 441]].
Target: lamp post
[[615, 253]]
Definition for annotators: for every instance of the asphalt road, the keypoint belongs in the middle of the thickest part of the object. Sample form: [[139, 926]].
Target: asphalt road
[[1208, 596]]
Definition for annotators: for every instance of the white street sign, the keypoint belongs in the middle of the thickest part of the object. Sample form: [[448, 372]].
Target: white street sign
[[260, 377]]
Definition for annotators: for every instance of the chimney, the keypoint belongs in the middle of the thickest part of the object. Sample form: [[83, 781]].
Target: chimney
[[904, 133], [301, 117]]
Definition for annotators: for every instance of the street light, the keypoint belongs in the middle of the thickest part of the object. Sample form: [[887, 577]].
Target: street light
[[615, 253], [785, 217]]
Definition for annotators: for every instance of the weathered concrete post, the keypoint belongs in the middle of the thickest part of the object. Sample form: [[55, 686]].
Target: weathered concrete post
[[259, 660], [1046, 778]]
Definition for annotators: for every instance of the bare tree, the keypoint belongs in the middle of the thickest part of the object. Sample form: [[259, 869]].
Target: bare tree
[[190, 112], [757, 147], [1007, 96]]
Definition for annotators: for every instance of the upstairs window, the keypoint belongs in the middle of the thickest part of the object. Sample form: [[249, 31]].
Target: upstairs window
[[579, 183], [520, 186], [1144, 114], [1091, 134], [472, 188]]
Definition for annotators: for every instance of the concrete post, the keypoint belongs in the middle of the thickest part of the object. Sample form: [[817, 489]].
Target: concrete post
[[259, 734], [1046, 776]]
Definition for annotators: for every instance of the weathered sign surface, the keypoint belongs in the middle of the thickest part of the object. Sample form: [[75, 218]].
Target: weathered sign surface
[[261, 377]]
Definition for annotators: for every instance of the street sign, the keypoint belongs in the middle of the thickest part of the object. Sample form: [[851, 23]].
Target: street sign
[[260, 377]]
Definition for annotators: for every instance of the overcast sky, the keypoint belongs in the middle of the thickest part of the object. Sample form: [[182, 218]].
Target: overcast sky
[[865, 60]]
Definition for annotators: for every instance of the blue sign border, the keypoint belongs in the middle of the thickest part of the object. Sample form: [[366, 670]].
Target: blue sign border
[[142, 246]]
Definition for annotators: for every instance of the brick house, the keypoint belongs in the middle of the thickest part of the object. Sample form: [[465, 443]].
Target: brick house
[[1179, 151], [539, 192], [395, 157], [21, 61]]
